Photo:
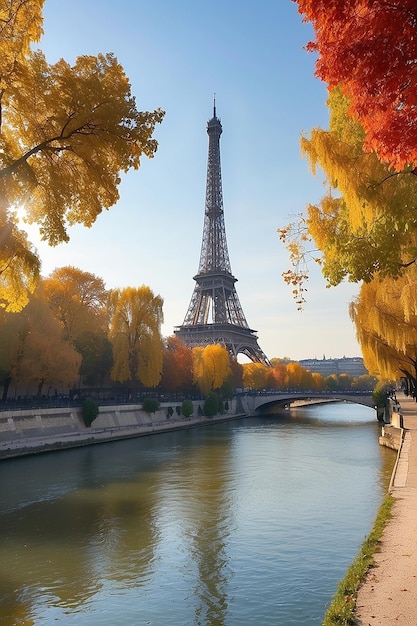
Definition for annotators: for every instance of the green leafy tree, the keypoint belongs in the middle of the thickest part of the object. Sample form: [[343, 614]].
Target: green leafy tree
[[89, 411], [97, 357], [150, 405], [211, 405], [187, 408]]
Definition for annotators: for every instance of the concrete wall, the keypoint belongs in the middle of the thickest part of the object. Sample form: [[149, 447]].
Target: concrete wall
[[36, 430]]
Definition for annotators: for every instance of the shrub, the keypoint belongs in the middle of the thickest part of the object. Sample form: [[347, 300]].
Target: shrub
[[211, 405], [150, 405], [170, 411], [187, 408], [89, 411]]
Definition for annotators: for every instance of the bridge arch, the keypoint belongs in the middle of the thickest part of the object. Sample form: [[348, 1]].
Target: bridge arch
[[259, 402]]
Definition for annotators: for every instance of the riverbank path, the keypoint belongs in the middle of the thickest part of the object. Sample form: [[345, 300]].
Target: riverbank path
[[389, 594]]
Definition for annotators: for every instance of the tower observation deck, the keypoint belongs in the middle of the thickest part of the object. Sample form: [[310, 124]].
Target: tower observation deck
[[215, 314]]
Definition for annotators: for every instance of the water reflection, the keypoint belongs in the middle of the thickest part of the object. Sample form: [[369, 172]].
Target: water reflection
[[186, 525]]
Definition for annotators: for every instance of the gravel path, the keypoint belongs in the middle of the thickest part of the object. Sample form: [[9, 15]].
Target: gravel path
[[389, 593]]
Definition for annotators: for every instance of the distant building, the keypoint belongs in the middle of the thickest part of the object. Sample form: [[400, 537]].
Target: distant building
[[353, 366]]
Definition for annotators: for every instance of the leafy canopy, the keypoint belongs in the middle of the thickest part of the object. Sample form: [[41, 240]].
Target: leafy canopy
[[135, 334], [66, 135], [369, 48], [211, 367], [366, 223], [385, 316]]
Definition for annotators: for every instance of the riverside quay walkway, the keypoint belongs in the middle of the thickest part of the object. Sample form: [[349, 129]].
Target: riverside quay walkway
[[389, 593]]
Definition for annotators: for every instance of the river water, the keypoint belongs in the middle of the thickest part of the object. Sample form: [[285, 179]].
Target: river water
[[250, 522]]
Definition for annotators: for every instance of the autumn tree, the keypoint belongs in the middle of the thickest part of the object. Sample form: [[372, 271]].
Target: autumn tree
[[236, 379], [385, 317], [19, 264], [369, 48], [277, 376], [366, 224], [318, 382], [135, 334], [66, 134], [255, 376], [177, 368], [295, 373], [211, 367], [97, 357], [10, 348], [40, 355], [78, 299]]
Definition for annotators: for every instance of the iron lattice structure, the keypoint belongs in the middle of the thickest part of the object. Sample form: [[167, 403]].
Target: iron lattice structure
[[215, 314]]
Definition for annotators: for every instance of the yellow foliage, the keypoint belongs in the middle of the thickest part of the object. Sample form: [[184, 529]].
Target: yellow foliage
[[135, 334], [255, 376], [78, 300], [19, 266], [20, 25], [211, 367], [385, 317], [66, 134], [366, 224], [34, 350]]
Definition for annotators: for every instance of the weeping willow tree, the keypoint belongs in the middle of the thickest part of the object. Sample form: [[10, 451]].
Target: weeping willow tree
[[135, 334], [385, 316], [211, 367], [366, 224]]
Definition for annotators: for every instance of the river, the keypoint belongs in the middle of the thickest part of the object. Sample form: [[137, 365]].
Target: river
[[249, 522]]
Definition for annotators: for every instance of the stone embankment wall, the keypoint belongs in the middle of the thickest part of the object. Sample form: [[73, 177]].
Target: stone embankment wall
[[38, 430], [392, 432]]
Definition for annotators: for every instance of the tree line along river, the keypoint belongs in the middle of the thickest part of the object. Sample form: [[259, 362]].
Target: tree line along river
[[247, 522]]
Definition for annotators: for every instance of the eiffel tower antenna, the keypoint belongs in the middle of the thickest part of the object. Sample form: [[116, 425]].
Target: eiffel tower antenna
[[215, 314]]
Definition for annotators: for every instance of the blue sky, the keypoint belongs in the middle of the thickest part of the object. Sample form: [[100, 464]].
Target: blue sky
[[177, 55]]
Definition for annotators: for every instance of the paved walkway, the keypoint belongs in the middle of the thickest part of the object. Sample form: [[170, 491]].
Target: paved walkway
[[389, 593]]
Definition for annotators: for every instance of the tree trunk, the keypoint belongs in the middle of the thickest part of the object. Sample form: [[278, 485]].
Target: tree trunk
[[39, 393], [6, 386]]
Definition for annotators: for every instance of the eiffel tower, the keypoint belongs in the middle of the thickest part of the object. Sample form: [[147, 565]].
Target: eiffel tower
[[215, 314]]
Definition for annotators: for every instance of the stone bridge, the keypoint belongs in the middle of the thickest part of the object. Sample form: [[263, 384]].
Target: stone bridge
[[262, 402]]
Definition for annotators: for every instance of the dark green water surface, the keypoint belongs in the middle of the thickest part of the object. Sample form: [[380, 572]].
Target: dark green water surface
[[251, 522]]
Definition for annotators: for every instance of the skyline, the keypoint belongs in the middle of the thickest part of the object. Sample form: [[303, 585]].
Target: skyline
[[266, 95]]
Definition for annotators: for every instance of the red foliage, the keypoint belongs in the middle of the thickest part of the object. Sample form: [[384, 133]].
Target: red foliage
[[369, 48]]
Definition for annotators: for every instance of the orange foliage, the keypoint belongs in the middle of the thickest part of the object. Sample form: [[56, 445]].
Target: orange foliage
[[369, 48], [177, 368], [278, 377], [255, 375]]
